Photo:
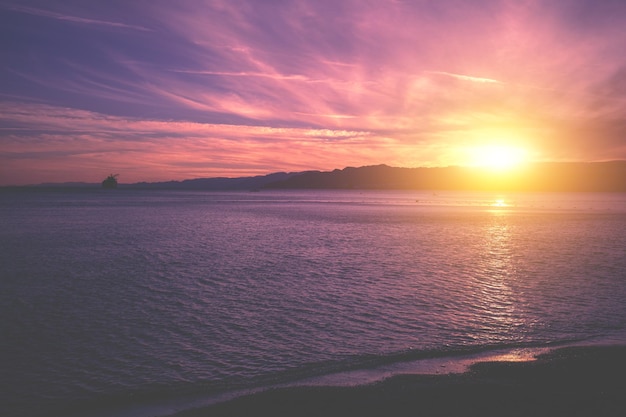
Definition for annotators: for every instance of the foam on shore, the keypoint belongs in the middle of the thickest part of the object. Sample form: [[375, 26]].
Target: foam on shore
[[577, 380]]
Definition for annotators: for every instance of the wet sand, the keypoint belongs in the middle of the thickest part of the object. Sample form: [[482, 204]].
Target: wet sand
[[573, 381]]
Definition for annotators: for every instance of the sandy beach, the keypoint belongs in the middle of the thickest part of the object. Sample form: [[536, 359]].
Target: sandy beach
[[573, 381]]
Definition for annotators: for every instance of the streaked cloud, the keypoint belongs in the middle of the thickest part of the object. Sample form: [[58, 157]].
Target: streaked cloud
[[465, 77], [173, 90], [69, 18]]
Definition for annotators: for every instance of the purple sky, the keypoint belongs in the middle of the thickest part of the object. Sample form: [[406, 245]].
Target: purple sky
[[159, 90]]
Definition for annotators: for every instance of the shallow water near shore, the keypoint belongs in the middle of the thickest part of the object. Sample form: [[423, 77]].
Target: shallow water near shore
[[156, 300]]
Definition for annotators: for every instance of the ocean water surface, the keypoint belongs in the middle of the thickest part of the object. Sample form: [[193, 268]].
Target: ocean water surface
[[130, 302]]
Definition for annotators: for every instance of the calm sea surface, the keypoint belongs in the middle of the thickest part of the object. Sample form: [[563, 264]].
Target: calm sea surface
[[143, 301]]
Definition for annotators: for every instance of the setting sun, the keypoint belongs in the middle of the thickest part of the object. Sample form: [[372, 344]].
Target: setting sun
[[499, 157]]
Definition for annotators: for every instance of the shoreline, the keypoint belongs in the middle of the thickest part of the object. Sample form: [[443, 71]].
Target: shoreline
[[574, 380]]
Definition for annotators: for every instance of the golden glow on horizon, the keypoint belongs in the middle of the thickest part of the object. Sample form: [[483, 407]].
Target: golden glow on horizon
[[498, 157], [500, 203]]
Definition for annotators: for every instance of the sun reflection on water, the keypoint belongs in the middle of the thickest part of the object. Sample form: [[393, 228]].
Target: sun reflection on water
[[500, 305]]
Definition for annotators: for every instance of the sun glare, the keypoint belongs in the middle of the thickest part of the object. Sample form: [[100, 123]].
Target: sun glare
[[498, 157], [499, 203]]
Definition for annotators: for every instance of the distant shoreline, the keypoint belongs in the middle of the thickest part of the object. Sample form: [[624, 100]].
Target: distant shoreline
[[560, 177]]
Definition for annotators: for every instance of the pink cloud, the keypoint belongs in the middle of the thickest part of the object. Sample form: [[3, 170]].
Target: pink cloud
[[158, 150], [229, 88]]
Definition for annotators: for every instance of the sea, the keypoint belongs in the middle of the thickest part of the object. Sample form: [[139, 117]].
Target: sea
[[148, 302]]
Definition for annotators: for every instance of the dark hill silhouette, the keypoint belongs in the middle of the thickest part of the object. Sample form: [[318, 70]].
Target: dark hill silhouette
[[215, 184], [565, 176], [550, 176]]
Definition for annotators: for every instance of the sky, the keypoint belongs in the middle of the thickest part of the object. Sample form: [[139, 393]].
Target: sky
[[157, 90]]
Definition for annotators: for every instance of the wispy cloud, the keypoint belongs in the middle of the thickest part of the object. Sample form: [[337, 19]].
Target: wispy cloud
[[465, 77], [45, 118], [247, 74], [163, 149], [239, 87], [69, 18]]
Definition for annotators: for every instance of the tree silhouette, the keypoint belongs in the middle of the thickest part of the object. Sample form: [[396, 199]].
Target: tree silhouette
[[110, 181]]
